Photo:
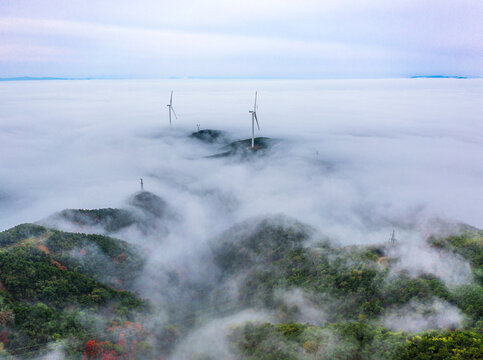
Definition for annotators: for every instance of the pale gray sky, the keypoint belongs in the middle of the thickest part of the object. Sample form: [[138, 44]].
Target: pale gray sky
[[264, 38]]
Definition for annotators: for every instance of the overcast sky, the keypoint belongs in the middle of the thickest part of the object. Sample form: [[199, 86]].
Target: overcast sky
[[250, 38]]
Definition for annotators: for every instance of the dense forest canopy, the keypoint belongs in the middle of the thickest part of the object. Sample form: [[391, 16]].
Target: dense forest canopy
[[313, 299]]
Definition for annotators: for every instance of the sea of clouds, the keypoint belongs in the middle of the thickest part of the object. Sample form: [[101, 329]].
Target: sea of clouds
[[364, 153], [354, 159]]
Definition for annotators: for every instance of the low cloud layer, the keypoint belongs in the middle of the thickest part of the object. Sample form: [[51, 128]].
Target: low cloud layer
[[307, 312], [352, 159], [416, 316], [416, 257], [196, 345], [356, 158]]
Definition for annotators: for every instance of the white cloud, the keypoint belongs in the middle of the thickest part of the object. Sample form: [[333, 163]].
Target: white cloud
[[417, 316], [33, 53], [392, 148], [182, 43]]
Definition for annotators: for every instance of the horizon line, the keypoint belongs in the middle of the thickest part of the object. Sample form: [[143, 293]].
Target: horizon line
[[52, 78]]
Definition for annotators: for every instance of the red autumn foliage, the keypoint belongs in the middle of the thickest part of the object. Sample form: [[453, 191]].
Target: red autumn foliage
[[120, 258], [5, 317], [4, 336], [93, 350], [127, 334], [59, 265], [99, 351], [43, 248], [96, 351]]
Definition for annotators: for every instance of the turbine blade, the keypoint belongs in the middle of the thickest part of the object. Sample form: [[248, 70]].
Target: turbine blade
[[255, 106], [258, 126], [174, 113], [171, 99]]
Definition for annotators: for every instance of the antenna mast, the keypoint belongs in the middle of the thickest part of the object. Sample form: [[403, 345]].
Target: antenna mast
[[393, 240]]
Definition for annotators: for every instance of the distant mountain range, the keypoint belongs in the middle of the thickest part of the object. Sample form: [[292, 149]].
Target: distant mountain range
[[27, 78], [31, 78], [438, 77]]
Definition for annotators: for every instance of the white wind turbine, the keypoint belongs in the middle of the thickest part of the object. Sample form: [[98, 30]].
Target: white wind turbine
[[170, 108], [254, 118]]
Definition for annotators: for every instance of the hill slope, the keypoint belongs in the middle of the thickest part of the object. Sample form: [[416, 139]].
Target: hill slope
[[318, 300], [56, 285]]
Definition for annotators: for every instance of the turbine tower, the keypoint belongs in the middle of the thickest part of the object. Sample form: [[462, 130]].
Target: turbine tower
[[142, 185], [170, 108], [393, 240], [254, 118]]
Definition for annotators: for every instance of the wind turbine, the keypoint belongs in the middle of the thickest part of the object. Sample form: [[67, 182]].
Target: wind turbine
[[170, 108], [254, 118]]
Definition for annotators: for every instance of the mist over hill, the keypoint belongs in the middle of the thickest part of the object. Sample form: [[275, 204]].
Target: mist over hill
[[265, 287], [280, 253]]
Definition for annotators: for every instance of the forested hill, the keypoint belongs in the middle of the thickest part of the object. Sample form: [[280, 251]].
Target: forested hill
[[71, 293], [56, 285], [143, 212]]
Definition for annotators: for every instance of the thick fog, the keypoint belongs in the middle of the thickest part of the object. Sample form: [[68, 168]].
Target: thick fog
[[354, 156], [353, 159]]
